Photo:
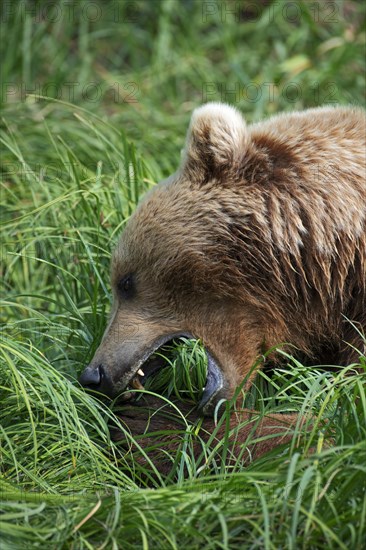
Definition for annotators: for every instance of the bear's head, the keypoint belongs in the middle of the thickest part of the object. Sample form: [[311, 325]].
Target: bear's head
[[187, 264]]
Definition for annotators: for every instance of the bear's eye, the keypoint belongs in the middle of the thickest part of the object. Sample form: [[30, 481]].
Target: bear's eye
[[126, 286]]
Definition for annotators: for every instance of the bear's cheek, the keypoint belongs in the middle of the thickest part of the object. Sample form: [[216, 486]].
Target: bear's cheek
[[236, 334]]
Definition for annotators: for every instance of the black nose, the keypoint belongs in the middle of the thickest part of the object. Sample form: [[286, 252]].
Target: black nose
[[92, 377]]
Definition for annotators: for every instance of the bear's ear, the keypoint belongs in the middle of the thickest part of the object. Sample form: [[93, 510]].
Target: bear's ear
[[216, 143]]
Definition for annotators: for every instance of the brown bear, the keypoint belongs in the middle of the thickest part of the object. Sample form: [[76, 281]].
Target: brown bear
[[258, 239]]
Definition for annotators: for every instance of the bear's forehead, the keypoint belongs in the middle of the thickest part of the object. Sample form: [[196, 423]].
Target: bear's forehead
[[169, 222], [173, 207]]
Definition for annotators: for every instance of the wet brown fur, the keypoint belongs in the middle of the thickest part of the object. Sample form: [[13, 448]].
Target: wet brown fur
[[259, 239], [298, 251], [158, 433]]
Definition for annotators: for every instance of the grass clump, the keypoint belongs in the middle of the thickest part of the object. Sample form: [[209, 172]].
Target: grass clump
[[184, 375]]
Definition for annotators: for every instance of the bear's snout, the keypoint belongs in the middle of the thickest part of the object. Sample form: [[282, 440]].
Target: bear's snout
[[95, 378]]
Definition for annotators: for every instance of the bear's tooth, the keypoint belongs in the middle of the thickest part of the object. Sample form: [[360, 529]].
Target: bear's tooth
[[141, 372], [136, 384]]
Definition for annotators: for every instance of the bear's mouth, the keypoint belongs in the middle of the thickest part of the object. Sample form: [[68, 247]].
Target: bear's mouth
[[150, 363]]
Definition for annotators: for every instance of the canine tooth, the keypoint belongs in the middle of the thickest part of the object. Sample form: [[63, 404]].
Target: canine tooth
[[141, 372], [136, 384]]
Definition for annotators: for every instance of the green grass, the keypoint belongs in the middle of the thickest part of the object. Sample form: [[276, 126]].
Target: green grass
[[73, 169]]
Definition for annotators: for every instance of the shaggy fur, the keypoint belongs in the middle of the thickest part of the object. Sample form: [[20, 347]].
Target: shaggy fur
[[268, 249], [248, 435], [258, 239]]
